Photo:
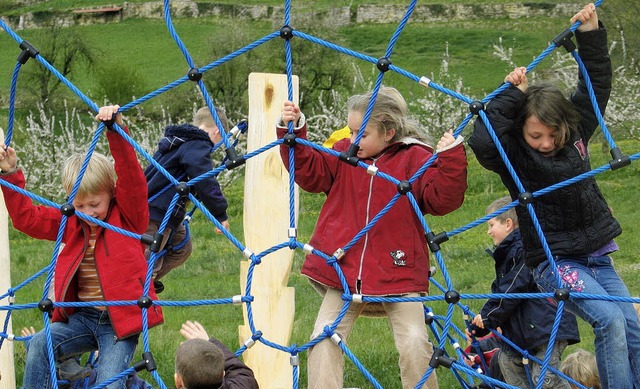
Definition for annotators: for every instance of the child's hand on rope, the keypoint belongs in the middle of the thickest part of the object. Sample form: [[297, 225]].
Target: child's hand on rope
[[518, 78], [193, 330], [8, 159], [225, 224], [477, 321], [588, 17], [106, 114], [446, 140], [290, 113]]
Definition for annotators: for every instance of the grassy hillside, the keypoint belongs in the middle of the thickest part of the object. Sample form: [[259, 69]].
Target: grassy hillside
[[13, 7], [145, 45]]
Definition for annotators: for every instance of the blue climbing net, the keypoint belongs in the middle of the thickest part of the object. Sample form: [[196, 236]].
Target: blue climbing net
[[444, 331]]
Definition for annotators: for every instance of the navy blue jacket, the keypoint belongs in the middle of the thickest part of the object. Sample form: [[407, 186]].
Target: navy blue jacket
[[185, 152], [526, 322], [237, 375], [576, 219]]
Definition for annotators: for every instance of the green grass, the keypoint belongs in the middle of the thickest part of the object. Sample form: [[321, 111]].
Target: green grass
[[147, 47], [213, 272]]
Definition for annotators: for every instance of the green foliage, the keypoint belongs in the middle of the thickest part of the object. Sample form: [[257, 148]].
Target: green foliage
[[324, 70], [119, 83], [64, 49], [228, 83], [625, 27]]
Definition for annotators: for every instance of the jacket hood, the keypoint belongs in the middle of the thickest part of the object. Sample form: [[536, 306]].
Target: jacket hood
[[414, 141], [176, 135]]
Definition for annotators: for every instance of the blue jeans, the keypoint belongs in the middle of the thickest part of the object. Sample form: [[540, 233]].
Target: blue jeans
[[87, 330], [615, 324]]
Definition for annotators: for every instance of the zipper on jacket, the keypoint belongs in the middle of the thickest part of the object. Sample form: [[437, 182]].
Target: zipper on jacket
[[366, 235]]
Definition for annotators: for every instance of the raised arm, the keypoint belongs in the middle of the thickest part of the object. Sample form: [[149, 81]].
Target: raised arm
[[131, 187]]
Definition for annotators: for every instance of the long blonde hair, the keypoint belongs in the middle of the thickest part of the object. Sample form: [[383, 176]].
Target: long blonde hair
[[390, 111]]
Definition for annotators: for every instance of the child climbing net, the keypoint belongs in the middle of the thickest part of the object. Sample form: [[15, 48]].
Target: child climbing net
[[441, 325]]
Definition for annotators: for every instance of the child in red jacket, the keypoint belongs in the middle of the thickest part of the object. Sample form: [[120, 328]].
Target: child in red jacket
[[96, 264], [391, 258]]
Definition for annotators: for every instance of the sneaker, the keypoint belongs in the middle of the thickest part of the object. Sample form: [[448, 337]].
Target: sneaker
[[158, 286], [70, 370]]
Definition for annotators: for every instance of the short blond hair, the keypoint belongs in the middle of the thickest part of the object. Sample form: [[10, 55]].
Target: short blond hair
[[100, 175], [203, 117], [508, 214], [581, 366]]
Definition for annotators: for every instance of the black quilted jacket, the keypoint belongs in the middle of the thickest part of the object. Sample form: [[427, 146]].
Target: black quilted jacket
[[576, 219]]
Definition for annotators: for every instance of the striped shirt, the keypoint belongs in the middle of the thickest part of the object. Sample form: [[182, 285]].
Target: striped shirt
[[88, 283]]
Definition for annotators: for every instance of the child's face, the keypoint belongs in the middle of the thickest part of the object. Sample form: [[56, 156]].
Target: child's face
[[540, 137], [94, 204], [214, 133], [373, 141], [498, 230]]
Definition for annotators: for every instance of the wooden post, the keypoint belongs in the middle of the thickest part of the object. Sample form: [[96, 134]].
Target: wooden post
[[7, 369], [266, 223]]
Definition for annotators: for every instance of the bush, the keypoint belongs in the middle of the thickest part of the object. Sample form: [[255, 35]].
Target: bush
[[119, 83]]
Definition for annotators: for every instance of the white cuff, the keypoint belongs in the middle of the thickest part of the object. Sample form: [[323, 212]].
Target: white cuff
[[301, 122], [458, 140], [10, 171]]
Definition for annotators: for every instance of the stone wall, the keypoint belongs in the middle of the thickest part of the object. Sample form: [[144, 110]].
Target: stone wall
[[339, 16]]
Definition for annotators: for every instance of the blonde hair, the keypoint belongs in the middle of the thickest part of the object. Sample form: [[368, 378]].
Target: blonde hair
[[581, 366], [203, 117], [508, 214], [390, 111], [100, 175]]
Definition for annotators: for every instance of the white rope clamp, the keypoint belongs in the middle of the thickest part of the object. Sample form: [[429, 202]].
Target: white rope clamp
[[247, 253], [425, 81]]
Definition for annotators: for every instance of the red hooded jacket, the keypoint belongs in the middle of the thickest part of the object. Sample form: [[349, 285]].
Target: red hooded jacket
[[392, 257], [120, 261]]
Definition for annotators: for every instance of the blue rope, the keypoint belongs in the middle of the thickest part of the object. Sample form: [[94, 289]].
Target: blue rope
[[442, 326]]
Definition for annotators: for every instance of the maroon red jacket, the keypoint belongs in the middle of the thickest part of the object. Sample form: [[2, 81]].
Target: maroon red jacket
[[392, 257], [120, 261]]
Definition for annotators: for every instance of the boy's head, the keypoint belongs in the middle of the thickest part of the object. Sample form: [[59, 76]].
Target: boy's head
[[199, 364], [204, 120], [502, 225], [581, 366], [97, 187]]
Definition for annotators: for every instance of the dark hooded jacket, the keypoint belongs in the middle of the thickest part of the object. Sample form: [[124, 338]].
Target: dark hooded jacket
[[526, 322], [575, 219], [185, 153]]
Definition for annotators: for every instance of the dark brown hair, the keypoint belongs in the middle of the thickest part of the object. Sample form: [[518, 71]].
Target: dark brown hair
[[548, 104]]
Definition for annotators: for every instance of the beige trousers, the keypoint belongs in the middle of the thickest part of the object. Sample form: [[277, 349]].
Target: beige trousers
[[326, 362]]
